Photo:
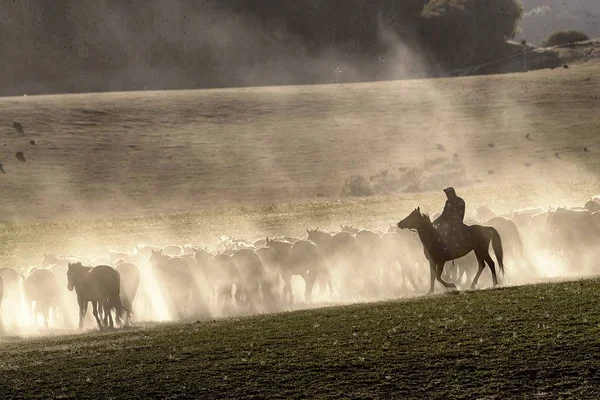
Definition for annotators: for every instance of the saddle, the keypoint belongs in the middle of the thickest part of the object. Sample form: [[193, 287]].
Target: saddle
[[453, 233]]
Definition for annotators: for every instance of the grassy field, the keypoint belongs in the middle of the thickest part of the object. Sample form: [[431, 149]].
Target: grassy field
[[528, 342]]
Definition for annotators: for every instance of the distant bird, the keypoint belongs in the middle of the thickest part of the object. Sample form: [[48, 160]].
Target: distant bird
[[491, 172], [491, 145], [2, 168], [32, 142], [18, 127], [585, 149], [441, 147], [557, 155], [528, 138], [528, 164], [20, 156]]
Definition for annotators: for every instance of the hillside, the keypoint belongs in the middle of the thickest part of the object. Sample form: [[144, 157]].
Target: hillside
[[140, 153]]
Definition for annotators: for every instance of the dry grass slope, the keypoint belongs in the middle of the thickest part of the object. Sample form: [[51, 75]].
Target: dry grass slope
[[155, 152]]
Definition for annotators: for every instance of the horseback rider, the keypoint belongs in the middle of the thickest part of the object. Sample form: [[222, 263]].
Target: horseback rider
[[454, 211]]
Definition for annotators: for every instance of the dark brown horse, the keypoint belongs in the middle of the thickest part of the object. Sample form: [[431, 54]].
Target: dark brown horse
[[40, 291], [101, 286], [12, 294], [178, 284], [438, 250], [254, 279], [301, 258], [130, 282]]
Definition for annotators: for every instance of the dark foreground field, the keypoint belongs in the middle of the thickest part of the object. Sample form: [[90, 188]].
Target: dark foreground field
[[527, 342]]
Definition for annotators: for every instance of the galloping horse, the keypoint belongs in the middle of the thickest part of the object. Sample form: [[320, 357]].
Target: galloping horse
[[438, 250], [100, 286]]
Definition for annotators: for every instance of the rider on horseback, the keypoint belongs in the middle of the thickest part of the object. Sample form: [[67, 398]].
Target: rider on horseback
[[453, 214]]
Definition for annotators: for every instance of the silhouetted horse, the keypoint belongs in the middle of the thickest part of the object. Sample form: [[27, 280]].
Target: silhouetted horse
[[130, 282], [438, 249], [40, 287], [301, 258], [101, 286], [223, 274], [254, 279], [12, 294], [178, 283]]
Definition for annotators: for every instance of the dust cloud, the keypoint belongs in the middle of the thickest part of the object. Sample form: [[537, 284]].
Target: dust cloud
[[150, 158], [364, 265]]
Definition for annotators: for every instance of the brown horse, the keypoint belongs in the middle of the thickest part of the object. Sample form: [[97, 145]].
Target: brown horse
[[41, 293], [301, 258], [222, 274], [438, 250], [12, 293], [254, 279], [130, 282], [178, 283], [101, 286]]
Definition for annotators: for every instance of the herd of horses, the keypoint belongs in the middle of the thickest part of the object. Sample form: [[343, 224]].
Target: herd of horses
[[241, 276]]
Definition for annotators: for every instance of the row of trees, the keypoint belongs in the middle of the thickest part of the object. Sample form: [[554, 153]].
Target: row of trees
[[50, 46]]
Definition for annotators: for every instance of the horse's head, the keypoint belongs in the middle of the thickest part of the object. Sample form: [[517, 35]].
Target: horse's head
[[312, 234], [415, 220], [72, 273], [156, 256], [49, 259], [201, 255], [349, 229], [392, 228]]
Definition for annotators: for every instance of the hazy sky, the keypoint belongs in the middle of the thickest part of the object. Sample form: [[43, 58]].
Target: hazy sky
[[544, 17]]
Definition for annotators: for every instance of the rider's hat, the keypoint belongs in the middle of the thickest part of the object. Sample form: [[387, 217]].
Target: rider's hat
[[450, 191]]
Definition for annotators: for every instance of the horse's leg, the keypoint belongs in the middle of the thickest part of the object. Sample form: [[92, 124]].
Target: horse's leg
[[479, 270], [46, 315], [431, 277], [492, 266], [288, 295], [328, 278], [95, 312], [108, 314], [309, 282], [103, 312], [33, 306], [82, 310], [438, 273]]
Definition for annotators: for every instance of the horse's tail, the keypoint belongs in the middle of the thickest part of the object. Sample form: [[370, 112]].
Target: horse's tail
[[497, 246], [119, 307]]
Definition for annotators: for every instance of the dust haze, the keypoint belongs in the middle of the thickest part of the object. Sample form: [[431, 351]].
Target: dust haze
[[197, 168]]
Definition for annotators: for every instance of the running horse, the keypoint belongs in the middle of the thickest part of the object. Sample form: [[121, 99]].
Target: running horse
[[438, 249]]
